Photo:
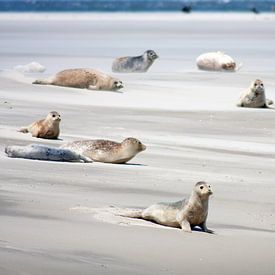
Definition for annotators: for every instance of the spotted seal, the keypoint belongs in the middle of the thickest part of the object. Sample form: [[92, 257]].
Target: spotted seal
[[84, 79], [108, 151], [46, 128], [184, 214], [44, 152], [217, 61], [134, 64], [254, 96]]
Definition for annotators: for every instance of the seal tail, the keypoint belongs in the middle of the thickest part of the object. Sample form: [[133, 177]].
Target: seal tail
[[131, 213], [85, 159], [41, 82], [23, 130], [269, 102]]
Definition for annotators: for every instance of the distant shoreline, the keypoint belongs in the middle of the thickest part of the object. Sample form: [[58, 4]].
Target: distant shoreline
[[137, 16], [135, 5]]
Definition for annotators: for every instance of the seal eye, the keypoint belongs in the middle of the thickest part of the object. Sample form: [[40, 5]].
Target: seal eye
[[255, 84], [115, 82], [201, 187], [53, 115], [262, 84]]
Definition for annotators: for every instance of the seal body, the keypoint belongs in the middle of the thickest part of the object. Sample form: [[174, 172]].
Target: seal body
[[184, 214], [46, 128], [42, 152], [134, 64], [254, 96], [106, 150], [216, 61], [84, 79]]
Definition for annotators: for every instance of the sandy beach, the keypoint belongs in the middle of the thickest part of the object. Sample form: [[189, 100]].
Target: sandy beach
[[59, 218]]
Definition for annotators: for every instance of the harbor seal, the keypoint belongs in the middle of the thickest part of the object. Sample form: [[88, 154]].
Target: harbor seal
[[106, 150], [217, 61], [84, 79], [184, 214], [134, 64], [43, 152], [45, 128], [254, 96]]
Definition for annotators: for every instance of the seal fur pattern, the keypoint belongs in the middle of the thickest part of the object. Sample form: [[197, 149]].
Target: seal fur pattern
[[184, 214], [134, 64], [254, 96], [46, 128], [107, 151], [84, 79], [43, 152]]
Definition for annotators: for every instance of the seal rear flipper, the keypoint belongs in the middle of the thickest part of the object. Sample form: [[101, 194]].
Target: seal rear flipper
[[23, 130], [41, 82], [85, 159], [131, 213], [269, 102]]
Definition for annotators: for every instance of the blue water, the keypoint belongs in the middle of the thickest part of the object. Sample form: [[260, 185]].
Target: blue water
[[134, 5]]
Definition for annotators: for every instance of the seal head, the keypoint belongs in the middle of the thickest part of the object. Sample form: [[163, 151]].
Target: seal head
[[117, 84], [151, 55]]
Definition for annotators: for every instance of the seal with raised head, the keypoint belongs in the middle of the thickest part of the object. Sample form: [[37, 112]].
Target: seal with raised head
[[45, 128], [106, 150], [217, 61], [184, 214], [43, 152], [84, 79], [254, 96], [134, 64]]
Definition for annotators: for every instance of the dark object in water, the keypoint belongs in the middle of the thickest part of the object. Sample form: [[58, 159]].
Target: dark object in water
[[186, 9], [255, 10]]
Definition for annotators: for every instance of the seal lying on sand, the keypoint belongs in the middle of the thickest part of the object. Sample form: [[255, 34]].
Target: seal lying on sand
[[134, 64], [254, 96], [216, 61], [42, 152], [84, 79], [106, 150], [184, 214], [45, 128]]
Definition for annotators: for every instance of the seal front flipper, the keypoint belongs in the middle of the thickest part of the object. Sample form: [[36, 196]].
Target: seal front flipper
[[185, 226], [205, 229]]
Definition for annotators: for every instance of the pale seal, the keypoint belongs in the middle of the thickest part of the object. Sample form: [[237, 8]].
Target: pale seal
[[106, 150], [84, 79], [216, 61], [254, 96], [42, 152], [184, 214], [45, 128], [134, 64]]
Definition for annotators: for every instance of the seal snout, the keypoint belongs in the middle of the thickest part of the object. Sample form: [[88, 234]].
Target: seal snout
[[118, 84], [143, 147]]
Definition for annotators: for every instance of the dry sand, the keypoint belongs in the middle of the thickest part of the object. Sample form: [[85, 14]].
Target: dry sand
[[56, 218]]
